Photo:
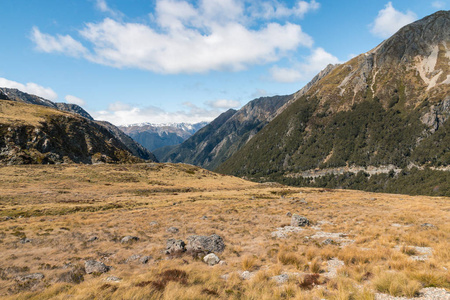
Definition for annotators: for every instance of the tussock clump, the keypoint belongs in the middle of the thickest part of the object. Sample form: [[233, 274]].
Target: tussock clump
[[396, 284]]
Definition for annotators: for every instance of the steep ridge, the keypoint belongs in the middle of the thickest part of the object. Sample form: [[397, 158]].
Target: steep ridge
[[386, 110], [36, 134], [219, 140], [59, 132], [154, 136], [132, 146]]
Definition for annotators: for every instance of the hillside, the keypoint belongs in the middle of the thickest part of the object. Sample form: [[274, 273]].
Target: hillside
[[125, 142], [154, 136], [36, 134], [220, 139], [368, 123], [102, 232], [19, 96]]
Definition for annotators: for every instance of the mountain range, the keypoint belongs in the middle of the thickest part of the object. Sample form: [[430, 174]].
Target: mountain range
[[219, 140], [377, 122], [371, 123], [154, 136]]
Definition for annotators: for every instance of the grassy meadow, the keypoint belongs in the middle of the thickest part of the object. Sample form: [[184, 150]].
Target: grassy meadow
[[358, 244]]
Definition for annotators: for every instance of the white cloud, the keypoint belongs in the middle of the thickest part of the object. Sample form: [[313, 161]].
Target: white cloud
[[304, 7], [119, 106], [125, 114], [438, 4], [74, 100], [103, 7], [223, 103], [62, 44], [285, 74], [313, 64], [214, 35], [30, 88], [259, 93], [274, 9], [389, 20]]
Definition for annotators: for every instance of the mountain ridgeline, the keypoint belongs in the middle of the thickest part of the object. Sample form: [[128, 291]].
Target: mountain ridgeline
[[34, 130], [153, 136], [379, 122], [219, 140]]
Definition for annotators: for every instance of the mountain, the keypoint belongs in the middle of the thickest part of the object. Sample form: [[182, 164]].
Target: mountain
[[36, 130], [220, 139], [154, 136], [368, 123]]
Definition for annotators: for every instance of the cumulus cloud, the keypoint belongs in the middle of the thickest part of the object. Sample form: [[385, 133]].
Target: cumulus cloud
[[30, 88], [313, 64], [59, 44], [125, 114], [389, 20], [214, 35], [74, 100], [223, 103]]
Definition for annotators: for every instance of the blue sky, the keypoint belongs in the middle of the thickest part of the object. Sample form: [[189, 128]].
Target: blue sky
[[160, 61]]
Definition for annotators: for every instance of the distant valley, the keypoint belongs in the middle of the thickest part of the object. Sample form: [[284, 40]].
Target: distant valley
[[154, 136]]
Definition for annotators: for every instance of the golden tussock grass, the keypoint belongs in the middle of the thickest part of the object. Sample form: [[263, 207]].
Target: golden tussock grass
[[59, 208]]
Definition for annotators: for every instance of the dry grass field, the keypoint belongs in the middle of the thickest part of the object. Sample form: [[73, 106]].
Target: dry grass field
[[358, 245]]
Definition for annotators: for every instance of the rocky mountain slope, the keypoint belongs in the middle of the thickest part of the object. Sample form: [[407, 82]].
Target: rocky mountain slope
[[154, 136], [384, 110], [34, 130], [219, 140]]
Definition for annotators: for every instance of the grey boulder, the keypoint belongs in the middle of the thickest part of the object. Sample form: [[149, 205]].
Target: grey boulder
[[208, 244], [299, 221], [93, 266]]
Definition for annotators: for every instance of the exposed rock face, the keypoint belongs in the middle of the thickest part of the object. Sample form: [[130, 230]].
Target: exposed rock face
[[93, 266], [30, 277], [172, 229], [208, 244], [174, 247], [110, 133], [31, 134], [437, 115], [129, 239], [211, 259]]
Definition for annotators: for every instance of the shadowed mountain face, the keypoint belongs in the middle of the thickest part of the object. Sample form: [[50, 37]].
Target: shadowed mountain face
[[153, 136], [380, 112], [220, 139], [36, 130]]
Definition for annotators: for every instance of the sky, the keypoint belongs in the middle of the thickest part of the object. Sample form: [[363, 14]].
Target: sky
[[166, 61]]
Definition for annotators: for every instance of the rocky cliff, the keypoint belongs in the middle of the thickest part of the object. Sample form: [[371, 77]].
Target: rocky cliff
[[36, 130]]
